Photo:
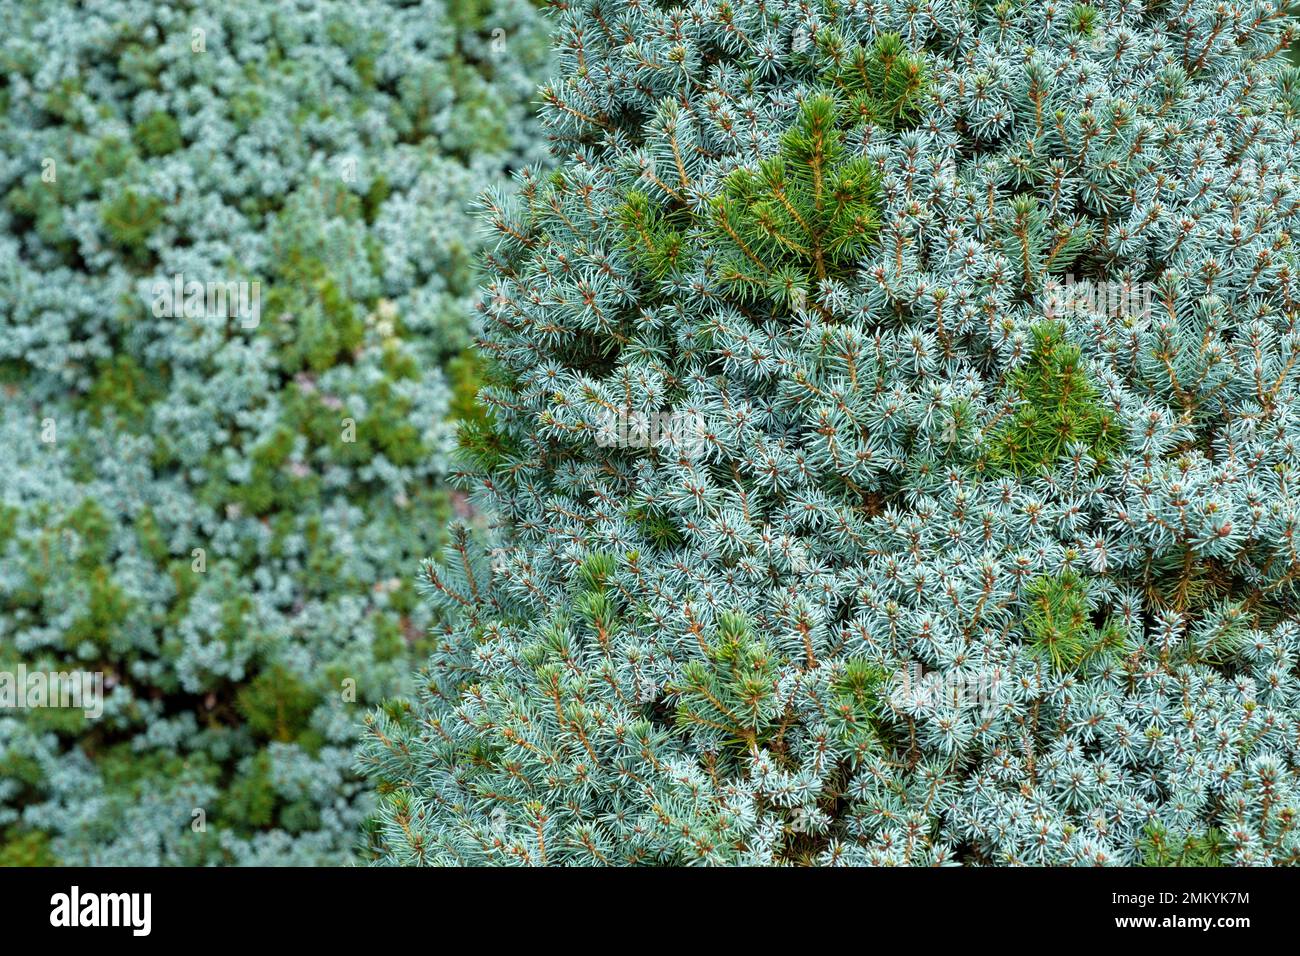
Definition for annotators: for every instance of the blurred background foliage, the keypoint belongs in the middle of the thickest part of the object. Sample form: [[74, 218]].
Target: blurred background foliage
[[223, 518]]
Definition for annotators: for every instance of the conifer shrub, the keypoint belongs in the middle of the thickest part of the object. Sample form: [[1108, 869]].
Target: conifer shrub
[[928, 568], [211, 509]]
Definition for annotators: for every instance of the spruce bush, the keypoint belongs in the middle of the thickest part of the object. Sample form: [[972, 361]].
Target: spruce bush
[[939, 560]]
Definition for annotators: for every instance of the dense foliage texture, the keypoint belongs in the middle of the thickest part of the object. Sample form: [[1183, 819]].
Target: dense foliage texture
[[210, 509], [951, 570]]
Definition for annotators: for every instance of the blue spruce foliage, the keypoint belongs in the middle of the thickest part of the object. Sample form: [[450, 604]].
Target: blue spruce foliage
[[831, 517]]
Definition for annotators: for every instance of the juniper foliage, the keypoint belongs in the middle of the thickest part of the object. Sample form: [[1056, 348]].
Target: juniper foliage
[[742, 687]]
